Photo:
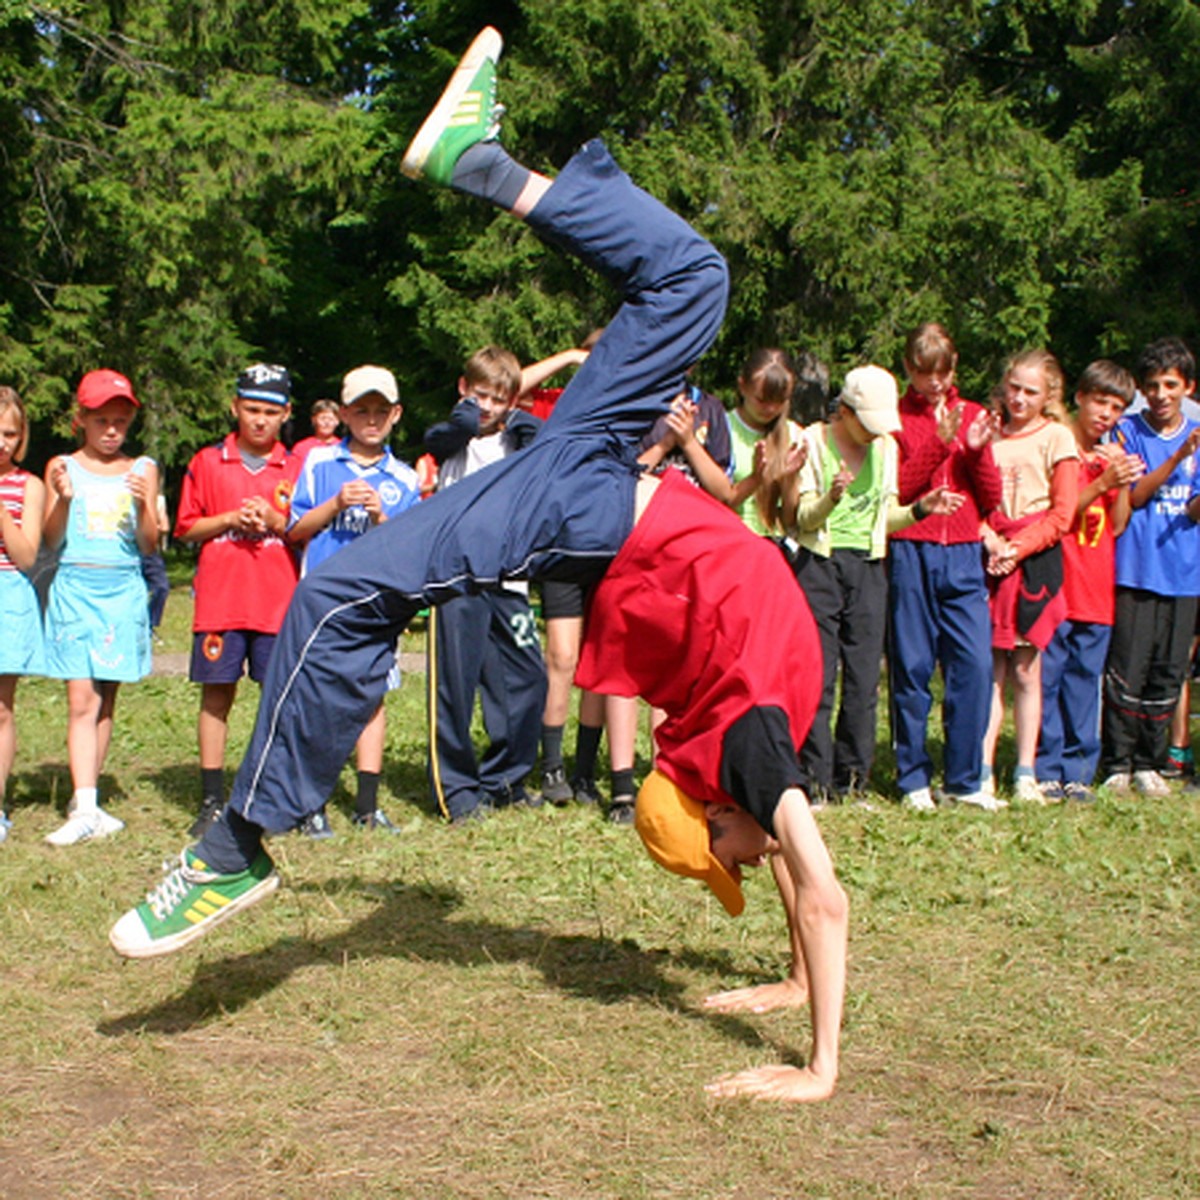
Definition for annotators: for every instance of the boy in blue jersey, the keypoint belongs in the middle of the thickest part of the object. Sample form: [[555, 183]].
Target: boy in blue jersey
[[343, 491], [1158, 576]]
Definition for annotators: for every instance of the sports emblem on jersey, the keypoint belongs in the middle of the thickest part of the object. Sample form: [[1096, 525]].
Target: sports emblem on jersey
[[389, 493], [213, 647], [283, 495]]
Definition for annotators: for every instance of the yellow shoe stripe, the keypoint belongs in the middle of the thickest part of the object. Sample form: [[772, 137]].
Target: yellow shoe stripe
[[468, 109], [205, 905]]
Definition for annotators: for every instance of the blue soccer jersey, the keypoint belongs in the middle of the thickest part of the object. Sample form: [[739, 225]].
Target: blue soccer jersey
[[325, 470], [1159, 551]]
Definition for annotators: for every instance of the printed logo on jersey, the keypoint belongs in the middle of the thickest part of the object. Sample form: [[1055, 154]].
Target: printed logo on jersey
[[1093, 525], [389, 493], [213, 647], [283, 495]]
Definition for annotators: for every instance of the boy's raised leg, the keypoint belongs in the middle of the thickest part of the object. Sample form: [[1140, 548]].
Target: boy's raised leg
[[331, 659]]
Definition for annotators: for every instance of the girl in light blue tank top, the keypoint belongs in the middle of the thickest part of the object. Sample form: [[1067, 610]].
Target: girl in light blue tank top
[[101, 513]]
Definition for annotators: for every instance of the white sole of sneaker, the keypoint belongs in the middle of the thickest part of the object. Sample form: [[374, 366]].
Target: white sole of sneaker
[[487, 44], [128, 936]]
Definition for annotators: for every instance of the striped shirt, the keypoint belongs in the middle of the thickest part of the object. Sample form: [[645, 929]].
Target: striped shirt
[[12, 496]]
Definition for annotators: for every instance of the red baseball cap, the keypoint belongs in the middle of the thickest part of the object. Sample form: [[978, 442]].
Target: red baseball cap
[[97, 388]]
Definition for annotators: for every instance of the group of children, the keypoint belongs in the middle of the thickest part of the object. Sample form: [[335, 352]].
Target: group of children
[[701, 615], [1009, 545], [932, 531]]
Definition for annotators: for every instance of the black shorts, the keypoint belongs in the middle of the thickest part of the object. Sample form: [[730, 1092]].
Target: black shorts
[[562, 599]]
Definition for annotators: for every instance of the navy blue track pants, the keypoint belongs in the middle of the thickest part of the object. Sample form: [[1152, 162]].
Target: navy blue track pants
[[565, 500], [487, 644]]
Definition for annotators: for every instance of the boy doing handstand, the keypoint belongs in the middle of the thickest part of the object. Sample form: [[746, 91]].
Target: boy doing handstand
[[675, 617]]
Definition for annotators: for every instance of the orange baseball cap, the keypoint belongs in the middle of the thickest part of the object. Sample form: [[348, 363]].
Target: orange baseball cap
[[674, 829]]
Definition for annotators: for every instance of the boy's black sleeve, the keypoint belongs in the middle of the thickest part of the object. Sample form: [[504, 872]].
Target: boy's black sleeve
[[445, 439]]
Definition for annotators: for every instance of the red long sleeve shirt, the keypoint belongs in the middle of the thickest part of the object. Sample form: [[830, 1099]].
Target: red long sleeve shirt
[[927, 462]]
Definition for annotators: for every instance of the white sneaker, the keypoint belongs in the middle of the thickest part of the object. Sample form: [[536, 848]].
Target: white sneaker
[[1028, 790], [1118, 783], [1151, 783], [84, 827], [979, 799], [919, 800]]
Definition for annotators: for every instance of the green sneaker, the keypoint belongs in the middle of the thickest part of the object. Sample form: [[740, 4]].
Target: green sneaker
[[187, 904], [466, 113]]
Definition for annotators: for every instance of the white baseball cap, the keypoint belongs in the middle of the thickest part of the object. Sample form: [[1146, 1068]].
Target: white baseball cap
[[874, 396], [363, 380]]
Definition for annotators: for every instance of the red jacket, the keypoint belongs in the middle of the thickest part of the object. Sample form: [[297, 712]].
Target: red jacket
[[927, 462]]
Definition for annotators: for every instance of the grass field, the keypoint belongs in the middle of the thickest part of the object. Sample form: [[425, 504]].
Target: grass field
[[512, 1009]]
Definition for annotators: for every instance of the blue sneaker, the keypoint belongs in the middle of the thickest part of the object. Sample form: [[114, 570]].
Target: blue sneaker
[[465, 114]]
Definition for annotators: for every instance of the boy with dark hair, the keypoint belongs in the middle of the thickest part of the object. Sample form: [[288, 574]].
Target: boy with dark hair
[[1157, 575], [487, 642], [1073, 662], [676, 617], [234, 504]]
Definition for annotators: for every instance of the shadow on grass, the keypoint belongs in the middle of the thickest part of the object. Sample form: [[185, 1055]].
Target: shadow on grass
[[48, 787], [417, 923], [179, 785]]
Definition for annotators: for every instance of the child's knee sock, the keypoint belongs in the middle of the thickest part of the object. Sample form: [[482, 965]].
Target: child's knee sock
[[231, 844], [552, 738], [367, 800], [486, 170], [587, 745]]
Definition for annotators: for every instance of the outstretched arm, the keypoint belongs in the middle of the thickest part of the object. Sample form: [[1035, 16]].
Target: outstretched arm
[[818, 912], [535, 374], [791, 992]]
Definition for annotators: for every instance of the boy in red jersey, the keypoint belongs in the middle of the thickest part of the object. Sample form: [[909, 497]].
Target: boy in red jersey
[[1073, 662], [235, 503]]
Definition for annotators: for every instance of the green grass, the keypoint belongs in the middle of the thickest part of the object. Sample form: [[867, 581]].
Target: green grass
[[512, 1009]]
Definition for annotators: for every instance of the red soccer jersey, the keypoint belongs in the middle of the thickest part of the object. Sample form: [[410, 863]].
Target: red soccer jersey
[[706, 621], [1089, 553], [242, 581]]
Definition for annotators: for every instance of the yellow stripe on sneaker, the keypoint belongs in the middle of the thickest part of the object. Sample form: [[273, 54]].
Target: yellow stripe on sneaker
[[204, 906], [468, 110]]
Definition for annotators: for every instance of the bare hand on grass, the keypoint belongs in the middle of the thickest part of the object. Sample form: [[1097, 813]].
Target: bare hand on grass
[[797, 1085]]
